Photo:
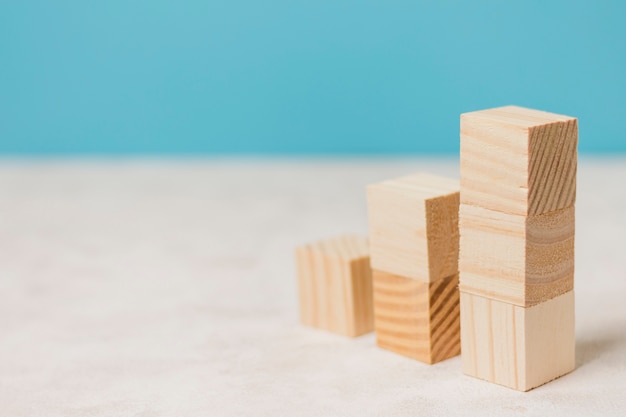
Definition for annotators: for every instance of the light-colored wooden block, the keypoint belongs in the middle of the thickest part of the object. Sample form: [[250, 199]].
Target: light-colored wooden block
[[521, 348], [415, 318], [413, 224], [522, 260], [518, 161], [335, 285]]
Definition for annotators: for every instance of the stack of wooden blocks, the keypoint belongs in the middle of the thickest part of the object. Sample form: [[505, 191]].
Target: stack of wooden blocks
[[518, 187], [414, 238], [512, 266]]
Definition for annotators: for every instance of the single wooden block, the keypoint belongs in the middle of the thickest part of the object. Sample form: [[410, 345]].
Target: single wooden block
[[517, 347], [518, 160], [415, 318], [335, 285], [413, 224], [522, 260]]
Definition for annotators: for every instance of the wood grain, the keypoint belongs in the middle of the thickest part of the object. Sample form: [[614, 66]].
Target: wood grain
[[521, 348], [518, 161], [413, 224], [522, 260], [335, 285], [415, 318]]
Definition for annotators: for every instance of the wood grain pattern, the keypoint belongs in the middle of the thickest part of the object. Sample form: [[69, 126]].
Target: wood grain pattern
[[522, 260], [518, 161], [335, 285], [442, 235], [521, 348], [413, 224], [415, 318]]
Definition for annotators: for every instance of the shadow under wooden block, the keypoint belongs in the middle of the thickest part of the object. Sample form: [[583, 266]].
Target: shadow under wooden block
[[335, 285], [413, 223], [518, 161], [520, 348], [415, 318], [522, 260]]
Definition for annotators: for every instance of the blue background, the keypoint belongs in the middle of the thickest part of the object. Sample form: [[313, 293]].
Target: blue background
[[299, 77]]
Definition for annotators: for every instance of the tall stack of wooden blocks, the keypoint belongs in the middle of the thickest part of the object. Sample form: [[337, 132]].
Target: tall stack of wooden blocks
[[335, 285], [414, 240], [516, 220]]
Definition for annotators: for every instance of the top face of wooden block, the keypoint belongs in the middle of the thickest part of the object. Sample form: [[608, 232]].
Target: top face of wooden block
[[413, 224], [520, 117], [518, 161], [420, 186], [346, 247]]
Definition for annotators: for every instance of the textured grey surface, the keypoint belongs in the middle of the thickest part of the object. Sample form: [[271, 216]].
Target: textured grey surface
[[167, 288]]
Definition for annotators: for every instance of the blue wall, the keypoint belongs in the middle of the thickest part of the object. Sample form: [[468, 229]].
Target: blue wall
[[299, 76]]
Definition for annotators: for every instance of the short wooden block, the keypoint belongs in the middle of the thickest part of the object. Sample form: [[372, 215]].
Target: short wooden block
[[521, 348], [518, 160], [415, 318], [522, 260], [413, 224], [335, 285]]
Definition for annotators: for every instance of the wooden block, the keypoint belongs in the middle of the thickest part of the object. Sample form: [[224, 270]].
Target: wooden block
[[521, 348], [518, 161], [413, 224], [335, 285], [415, 318], [522, 260]]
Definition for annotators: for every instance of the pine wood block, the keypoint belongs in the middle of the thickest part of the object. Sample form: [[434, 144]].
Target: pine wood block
[[413, 224], [518, 161], [415, 318], [335, 285], [521, 348], [522, 260]]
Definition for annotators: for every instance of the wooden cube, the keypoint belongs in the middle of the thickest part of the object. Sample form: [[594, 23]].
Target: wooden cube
[[415, 318], [335, 285], [518, 161], [522, 260], [521, 348], [413, 224]]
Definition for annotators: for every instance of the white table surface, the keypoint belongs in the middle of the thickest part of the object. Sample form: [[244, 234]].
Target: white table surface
[[167, 288]]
